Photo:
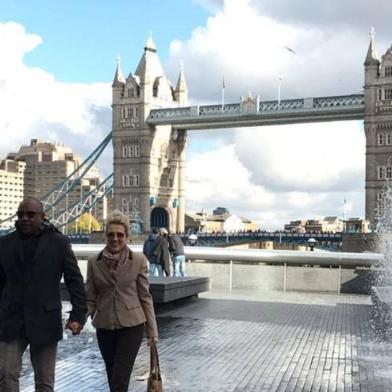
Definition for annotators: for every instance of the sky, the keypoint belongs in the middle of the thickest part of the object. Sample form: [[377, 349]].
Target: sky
[[58, 61]]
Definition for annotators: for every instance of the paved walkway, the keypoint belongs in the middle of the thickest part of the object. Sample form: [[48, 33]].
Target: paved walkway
[[248, 342]]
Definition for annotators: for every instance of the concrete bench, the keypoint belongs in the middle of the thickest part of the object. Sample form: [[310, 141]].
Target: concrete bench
[[168, 289]]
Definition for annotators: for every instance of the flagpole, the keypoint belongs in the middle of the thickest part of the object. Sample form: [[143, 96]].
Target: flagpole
[[279, 86], [223, 94]]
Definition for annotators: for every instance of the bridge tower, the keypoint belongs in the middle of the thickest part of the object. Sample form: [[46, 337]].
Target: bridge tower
[[148, 161], [378, 127]]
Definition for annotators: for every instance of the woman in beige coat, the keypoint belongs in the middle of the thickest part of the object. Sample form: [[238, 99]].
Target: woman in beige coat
[[119, 302]]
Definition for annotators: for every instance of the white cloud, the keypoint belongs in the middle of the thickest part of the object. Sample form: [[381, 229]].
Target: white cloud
[[34, 104], [304, 157], [302, 170], [248, 48], [217, 177], [273, 174]]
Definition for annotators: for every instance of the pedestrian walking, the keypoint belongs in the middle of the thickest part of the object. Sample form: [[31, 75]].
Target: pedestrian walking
[[176, 248], [119, 302], [33, 260], [147, 250], [160, 254]]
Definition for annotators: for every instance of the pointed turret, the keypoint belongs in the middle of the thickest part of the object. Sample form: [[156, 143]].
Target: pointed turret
[[181, 91], [371, 57], [150, 44], [118, 76], [149, 65]]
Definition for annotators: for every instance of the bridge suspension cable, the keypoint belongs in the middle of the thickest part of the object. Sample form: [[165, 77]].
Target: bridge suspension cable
[[59, 192], [87, 203]]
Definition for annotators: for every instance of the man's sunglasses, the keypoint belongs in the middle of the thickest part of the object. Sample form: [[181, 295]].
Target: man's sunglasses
[[29, 214]]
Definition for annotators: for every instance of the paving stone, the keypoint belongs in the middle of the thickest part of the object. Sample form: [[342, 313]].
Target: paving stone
[[245, 342]]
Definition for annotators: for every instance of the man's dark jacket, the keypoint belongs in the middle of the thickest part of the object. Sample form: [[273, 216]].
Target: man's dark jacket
[[176, 247], [30, 298], [160, 253]]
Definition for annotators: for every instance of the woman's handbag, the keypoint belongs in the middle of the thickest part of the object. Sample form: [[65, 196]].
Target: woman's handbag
[[154, 383]]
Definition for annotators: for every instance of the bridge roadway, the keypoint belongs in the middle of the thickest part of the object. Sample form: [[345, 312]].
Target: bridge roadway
[[218, 239], [252, 112], [242, 342]]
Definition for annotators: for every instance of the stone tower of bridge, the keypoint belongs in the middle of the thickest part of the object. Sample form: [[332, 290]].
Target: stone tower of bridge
[[148, 161], [378, 127]]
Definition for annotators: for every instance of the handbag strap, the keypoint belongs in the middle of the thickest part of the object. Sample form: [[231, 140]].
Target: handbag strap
[[154, 359]]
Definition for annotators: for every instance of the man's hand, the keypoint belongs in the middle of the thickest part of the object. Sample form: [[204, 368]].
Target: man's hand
[[74, 326]]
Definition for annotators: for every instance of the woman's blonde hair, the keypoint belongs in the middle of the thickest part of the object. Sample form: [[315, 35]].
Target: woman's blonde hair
[[118, 218]]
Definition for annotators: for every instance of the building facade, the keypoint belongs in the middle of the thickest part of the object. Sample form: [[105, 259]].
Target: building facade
[[378, 129], [48, 164], [221, 220], [12, 178], [148, 162]]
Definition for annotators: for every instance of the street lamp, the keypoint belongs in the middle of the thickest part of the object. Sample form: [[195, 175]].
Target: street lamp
[[192, 239], [312, 243]]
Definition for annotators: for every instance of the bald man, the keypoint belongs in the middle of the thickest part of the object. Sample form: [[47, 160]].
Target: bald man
[[33, 259]]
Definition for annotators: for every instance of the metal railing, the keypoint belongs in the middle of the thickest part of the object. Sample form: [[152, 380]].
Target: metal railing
[[317, 105], [240, 258], [343, 259]]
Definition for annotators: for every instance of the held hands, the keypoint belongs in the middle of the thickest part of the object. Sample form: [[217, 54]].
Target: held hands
[[151, 340], [74, 326]]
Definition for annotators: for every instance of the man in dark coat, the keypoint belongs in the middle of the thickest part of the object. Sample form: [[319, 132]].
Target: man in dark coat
[[160, 253], [33, 259], [149, 243], [176, 248]]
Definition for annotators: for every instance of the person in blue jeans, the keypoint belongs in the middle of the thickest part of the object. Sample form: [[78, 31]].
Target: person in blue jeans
[[160, 256], [153, 268], [176, 248]]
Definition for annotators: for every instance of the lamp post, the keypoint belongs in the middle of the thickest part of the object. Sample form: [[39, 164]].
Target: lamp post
[[312, 243], [192, 239]]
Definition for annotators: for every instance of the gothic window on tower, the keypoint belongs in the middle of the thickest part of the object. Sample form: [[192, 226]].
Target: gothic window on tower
[[125, 181], [389, 172], [124, 151], [132, 151], [388, 94], [125, 206], [133, 180], [131, 92], [380, 94], [388, 71], [380, 139], [381, 172], [388, 138]]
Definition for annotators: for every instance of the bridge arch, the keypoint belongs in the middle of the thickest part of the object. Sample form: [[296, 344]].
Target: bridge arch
[[160, 217]]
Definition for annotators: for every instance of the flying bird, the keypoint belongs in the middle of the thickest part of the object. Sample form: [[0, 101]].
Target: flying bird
[[290, 50]]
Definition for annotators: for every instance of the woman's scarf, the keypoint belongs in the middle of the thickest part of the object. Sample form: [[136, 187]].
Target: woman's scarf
[[114, 260]]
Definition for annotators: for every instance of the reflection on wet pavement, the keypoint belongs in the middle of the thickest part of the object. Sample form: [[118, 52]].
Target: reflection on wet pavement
[[241, 342]]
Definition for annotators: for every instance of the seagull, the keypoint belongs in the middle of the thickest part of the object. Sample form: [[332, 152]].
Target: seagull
[[290, 50]]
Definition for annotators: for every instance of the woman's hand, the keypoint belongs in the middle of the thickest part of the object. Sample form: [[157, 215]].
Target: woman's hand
[[152, 339]]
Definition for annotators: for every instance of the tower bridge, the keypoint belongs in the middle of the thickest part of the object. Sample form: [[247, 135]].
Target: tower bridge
[[253, 112], [151, 118]]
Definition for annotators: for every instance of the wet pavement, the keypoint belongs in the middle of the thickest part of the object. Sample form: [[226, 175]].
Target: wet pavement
[[247, 341]]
